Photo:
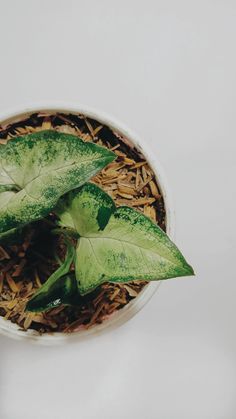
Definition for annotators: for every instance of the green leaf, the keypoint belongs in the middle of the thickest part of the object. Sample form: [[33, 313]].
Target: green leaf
[[11, 236], [60, 288], [37, 169], [63, 291], [125, 246], [85, 211]]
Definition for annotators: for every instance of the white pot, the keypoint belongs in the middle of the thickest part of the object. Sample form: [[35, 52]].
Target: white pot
[[118, 318]]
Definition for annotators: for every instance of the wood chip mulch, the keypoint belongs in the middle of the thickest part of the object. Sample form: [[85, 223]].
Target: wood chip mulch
[[27, 263]]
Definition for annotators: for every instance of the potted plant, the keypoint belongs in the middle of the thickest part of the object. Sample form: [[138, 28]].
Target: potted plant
[[83, 221]]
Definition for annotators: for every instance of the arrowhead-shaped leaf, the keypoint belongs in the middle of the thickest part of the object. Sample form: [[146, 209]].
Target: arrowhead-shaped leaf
[[37, 169], [117, 245]]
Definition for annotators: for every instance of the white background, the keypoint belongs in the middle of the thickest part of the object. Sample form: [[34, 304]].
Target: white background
[[167, 69]]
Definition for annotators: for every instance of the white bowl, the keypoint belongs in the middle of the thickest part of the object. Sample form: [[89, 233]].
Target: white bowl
[[118, 318]]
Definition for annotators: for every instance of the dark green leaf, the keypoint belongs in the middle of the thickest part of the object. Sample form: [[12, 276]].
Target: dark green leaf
[[60, 288]]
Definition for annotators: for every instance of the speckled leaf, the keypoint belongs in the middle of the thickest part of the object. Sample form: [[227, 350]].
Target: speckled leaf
[[86, 210], [128, 247], [37, 169]]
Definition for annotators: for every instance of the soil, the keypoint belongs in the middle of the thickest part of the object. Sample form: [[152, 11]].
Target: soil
[[27, 263]]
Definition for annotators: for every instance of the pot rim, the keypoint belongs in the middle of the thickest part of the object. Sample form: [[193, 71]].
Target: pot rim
[[127, 312]]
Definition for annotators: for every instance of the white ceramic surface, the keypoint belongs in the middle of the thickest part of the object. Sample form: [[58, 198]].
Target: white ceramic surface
[[12, 330]]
